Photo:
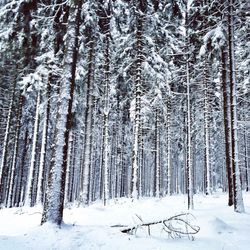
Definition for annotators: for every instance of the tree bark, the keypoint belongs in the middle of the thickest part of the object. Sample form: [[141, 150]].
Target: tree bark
[[206, 131], [106, 122], [238, 199], [14, 176], [54, 204], [137, 96], [169, 164], [85, 172], [157, 154], [29, 196], [3, 166], [227, 125], [41, 184]]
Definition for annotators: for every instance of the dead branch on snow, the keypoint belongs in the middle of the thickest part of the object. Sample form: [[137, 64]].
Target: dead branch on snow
[[176, 226]]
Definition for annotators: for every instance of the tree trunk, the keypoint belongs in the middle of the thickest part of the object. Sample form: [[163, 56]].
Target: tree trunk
[[14, 176], [189, 157], [29, 196], [206, 132], [238, 199], [170, 175], [157, 155], [106, 122], [85, 173], [21, 181], [137, 96], [246, 159], [189, 165], [227, 126], [3, 166], [40, 185], [54, 204]]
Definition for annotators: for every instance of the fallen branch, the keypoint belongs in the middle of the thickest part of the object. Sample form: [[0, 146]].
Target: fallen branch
[[176, 226]]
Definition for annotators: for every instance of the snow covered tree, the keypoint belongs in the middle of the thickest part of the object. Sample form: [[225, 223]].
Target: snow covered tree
[[53, 207], [103, 99], [90, 34], [238, 200]]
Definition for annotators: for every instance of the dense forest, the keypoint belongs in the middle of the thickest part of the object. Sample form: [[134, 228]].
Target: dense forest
[[101, 99]]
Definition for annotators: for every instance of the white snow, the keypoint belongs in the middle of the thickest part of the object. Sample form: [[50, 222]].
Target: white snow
[[90, 227]]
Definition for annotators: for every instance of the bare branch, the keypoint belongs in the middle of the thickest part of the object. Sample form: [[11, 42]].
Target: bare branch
[[175, 226]]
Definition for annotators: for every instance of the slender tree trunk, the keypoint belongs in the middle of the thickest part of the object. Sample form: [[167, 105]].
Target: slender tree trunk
[[137, 95], [157, 154], [206, 132], [124, 181], [184, 183], [142, 164], [189, 165], [3, 166], [29, 196], [85, 173], [21, 184], [70, 168], [14, 177], [41, 186], [238, 199], [170, 175], [106, 121], [246, 159], [118, 151], [189, 157], [227, 126]]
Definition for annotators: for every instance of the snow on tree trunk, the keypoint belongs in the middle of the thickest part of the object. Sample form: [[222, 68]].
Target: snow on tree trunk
[[85, 172], [206, 131], [124, 179], [137, 96], [238, 199], [109, 174], [29, 199], [43, 146], [21, 184], [3, 167], [189, 165], [246, 159], [142, 165], [14, 171], [118, 172], [42, 162], [54, 203], [189, 142], [157, 154], [227, 125], [106, 121], [70, 168], [53, 208], [169, 177]]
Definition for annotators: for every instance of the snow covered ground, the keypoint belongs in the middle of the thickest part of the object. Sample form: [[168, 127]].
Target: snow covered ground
[[90, 227]]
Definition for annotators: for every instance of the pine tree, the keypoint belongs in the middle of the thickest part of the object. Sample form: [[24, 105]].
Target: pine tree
[[53, 207], [238, 200]]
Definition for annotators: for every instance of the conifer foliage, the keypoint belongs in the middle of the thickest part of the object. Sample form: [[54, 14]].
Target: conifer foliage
[[101, 99]]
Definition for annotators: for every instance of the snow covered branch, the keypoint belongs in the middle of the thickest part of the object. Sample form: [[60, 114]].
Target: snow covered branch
[[176, 226]]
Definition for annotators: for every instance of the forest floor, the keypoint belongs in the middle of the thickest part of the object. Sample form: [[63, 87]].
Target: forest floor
[[98, 227]]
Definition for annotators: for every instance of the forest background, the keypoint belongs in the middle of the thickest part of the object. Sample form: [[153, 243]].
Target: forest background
[[103, 99]]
